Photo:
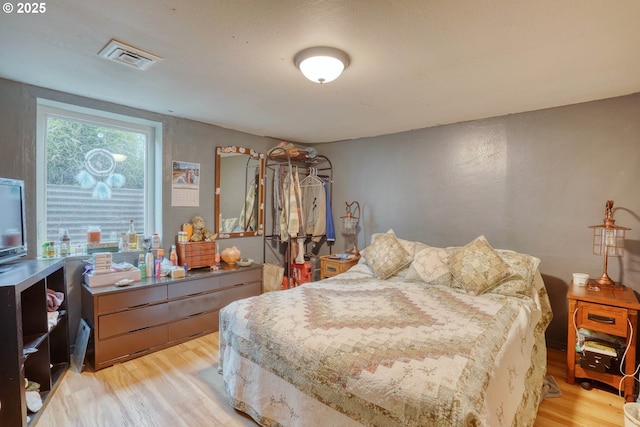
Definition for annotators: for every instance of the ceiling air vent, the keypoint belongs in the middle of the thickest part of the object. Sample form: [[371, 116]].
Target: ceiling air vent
[[128, 55]]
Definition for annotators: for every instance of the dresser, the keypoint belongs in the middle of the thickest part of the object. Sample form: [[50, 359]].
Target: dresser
[[128, 322]]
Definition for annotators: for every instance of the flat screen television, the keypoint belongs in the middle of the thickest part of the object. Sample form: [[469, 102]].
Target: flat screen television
[[13, 227]]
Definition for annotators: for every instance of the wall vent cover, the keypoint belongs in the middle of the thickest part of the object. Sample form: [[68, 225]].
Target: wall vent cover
[[128, 55]]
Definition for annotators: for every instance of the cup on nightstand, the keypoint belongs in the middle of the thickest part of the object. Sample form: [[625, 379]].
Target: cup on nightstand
[[580, 279]]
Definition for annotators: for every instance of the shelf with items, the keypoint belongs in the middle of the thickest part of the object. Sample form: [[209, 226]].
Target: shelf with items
[[304, 179], [35, 348], [611, 310]]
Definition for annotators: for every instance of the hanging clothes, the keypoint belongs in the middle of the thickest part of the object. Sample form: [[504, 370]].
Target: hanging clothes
[[291, 218], [296, 218], [314, 207], [277, 200], [330, 230], [283, 223], [247, 219]]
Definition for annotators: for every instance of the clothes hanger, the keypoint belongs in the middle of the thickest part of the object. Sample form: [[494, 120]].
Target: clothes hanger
[[312, 178]]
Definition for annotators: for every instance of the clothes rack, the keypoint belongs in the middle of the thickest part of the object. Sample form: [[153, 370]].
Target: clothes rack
[[315, 173]]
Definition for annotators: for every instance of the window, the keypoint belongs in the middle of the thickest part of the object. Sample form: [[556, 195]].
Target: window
[[95, 169]]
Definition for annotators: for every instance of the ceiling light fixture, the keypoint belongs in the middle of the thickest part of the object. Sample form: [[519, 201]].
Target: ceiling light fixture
[[321, 64]]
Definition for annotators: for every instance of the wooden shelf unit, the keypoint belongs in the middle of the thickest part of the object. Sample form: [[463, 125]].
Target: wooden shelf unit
[[23, 316]]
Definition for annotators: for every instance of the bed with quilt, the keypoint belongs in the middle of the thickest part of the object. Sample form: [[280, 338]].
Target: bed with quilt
[[412, 335]]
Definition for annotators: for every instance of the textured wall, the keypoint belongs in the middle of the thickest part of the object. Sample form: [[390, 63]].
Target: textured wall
[[530, 182]]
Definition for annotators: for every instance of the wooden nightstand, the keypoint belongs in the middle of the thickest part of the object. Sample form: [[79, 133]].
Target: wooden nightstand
[[331, 266], [610, 310]]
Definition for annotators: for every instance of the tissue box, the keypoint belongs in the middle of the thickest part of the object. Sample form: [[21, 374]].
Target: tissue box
[[196, 254], [108, 279]]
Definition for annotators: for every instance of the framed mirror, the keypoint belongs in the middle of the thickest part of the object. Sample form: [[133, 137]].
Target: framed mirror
[[239, 205]]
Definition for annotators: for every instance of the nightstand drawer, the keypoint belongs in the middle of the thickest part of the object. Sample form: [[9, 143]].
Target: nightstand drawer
[[330, 267], [603, 318]]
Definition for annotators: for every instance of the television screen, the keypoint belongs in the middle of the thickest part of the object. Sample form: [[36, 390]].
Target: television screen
[[12, 221]]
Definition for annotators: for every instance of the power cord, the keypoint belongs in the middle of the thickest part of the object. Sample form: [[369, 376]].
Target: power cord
[[625, 376]]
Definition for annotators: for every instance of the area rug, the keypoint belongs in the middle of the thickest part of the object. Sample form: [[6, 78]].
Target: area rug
[[550, 388]]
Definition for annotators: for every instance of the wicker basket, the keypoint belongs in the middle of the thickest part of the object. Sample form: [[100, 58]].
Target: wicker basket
[[196, 254]]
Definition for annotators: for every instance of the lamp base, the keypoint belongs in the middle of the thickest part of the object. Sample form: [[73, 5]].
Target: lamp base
[[605, 280]]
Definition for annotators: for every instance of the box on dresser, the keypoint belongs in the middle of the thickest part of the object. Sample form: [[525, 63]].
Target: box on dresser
[[196, 254]]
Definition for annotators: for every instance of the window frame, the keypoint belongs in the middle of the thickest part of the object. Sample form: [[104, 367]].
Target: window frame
[[153, 159]]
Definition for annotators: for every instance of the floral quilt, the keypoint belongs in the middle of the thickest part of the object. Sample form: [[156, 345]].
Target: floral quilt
[[356, 350]]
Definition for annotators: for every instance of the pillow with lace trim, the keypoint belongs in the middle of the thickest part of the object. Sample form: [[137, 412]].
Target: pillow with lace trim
[[386, 256], [477, 267]]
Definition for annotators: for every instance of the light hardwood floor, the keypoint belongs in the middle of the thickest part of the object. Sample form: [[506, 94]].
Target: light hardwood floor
[[180, 386]]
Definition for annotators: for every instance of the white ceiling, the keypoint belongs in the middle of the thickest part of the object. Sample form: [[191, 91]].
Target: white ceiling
[[414, 63]]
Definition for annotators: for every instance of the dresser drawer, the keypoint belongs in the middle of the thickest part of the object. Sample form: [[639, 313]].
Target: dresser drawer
[[123, 300], [131, 320], [131, 343], [603, 318], [192, 326], [240, 292], [195, 305], [193, 287], [248, 276]]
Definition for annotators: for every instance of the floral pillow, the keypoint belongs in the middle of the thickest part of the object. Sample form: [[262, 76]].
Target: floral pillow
[[386, 256], [430, 265], [524, 268], [477, 267]]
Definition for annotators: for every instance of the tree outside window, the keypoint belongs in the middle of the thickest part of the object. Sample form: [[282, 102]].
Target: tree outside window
[[96, 175]]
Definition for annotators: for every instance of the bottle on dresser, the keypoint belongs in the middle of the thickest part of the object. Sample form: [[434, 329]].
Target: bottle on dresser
[[149, 263], [173, 256], [132, 237]]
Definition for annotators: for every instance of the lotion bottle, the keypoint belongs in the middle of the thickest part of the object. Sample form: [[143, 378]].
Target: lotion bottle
[[149, 263]]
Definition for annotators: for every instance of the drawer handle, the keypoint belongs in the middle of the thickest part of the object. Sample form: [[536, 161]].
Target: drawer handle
[[195, 315], [601, 319], [333, 269], [144, 304]]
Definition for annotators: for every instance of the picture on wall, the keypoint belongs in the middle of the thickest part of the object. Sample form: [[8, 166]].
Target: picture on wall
[[185, 184]]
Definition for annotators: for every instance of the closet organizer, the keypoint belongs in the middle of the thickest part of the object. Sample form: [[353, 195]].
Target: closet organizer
[[298, 213]]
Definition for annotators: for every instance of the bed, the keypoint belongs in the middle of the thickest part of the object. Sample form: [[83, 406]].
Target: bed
[[443, 337]]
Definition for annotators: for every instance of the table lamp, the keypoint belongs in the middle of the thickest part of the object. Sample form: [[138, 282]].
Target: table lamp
[[608, 240]]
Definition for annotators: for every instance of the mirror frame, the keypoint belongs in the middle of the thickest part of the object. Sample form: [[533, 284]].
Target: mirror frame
[[232, 149]]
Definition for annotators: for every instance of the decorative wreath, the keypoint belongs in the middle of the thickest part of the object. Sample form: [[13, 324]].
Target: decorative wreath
[[100, 164]]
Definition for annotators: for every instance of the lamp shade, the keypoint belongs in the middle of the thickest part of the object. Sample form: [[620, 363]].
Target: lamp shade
[[608, 240], [350, 227], [321, 64]]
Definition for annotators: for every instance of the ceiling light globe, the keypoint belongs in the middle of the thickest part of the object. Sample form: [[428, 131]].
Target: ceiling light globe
[[321, 69], [321, 64]]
